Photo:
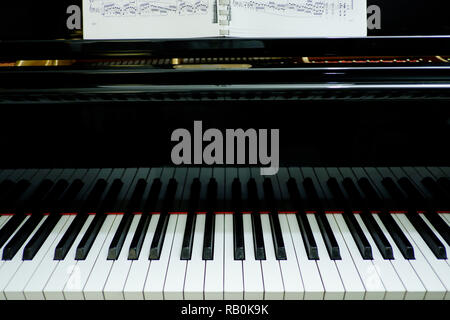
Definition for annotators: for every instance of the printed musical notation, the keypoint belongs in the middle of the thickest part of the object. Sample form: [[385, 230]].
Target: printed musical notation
[[130, 8], [299, 8]]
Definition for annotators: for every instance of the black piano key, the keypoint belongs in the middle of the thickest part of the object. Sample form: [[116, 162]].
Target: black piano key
[[277, 236], [258, 237], [358, 236], [158, 238], [33, 246], [436, 221], [142, 227], [397, 235], [372, 226], [161, 228], [208, 238], [20, 237], [119, 237], [433, 242], [308, 237], [422, 228], [303, 223], [122, 230], [328, 236], [355, 229], [35, 202], [10, 227], [188, 237], [324, 226], [210, 219], [88, 239], [69, 236], [44, 231], [139, 236], [75, 227], [391, 225], [238, 223], [91, 233], [378, 236]]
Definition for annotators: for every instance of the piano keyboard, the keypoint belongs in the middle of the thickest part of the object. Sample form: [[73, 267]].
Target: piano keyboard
[[225, 233]]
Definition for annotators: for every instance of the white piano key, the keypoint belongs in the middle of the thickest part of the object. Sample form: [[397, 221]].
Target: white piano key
[[12, 235], [440, 267], [15, 288], [195, 271], [431, 282], [176, 271], [73, 289], [251, 268], [117, 278], [35, 285], [366, 269], [446, 217], [214, 268], [394, 287], [273, 282], [334, 289], [414, 287], [354, 288], [3, 220], [154, 284], [233, 278], [308, 268], [290, 271], [9, 268], [93, 290], [134, 287], [53, 288]]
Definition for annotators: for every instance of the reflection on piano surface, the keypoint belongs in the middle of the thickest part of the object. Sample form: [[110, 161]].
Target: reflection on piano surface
[[225, 233]]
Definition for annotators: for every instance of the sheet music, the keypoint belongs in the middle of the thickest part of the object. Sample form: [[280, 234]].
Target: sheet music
[[298, 18], [135, 19]]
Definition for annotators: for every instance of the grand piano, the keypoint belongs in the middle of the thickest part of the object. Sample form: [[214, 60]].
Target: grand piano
[[92, 206]]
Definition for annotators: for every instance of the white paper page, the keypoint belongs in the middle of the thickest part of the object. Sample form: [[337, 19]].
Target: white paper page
[[298, 18], [149, 19]]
